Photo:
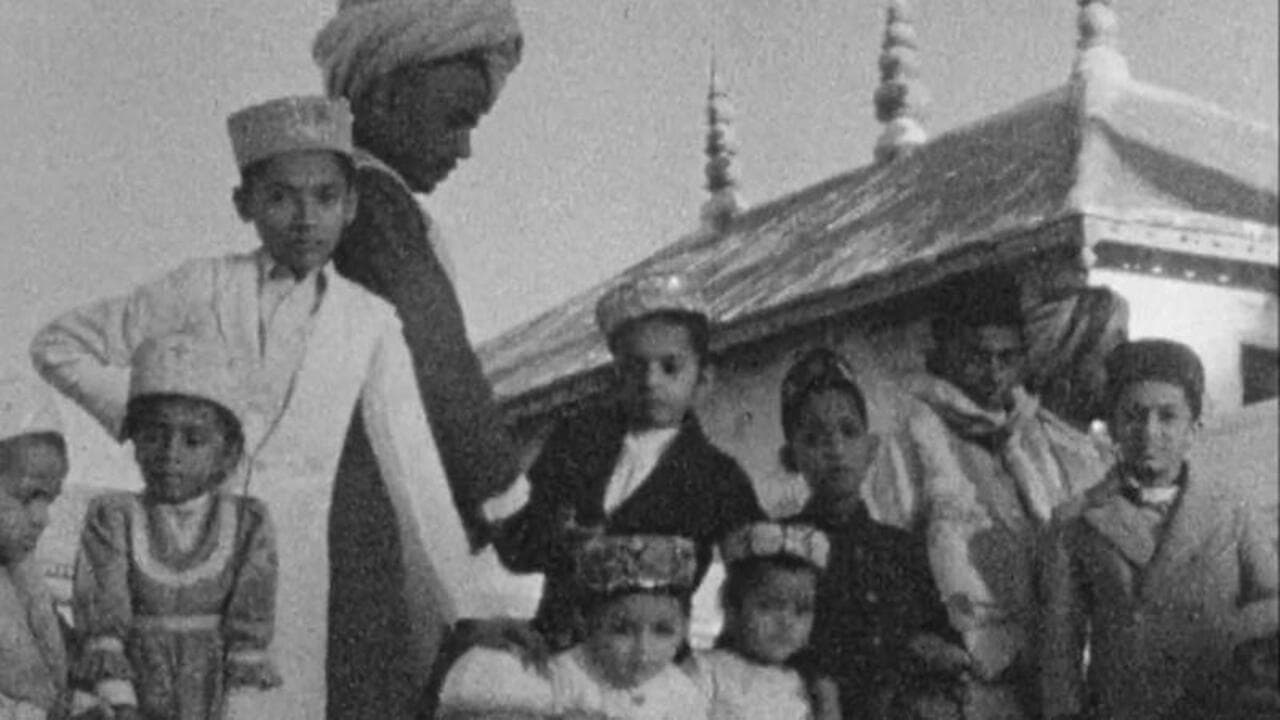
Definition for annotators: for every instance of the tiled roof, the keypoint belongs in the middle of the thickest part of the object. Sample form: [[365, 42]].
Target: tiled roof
[[1149, 156]]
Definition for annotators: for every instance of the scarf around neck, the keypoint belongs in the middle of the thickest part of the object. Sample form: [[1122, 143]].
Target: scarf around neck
[[1016, 436]]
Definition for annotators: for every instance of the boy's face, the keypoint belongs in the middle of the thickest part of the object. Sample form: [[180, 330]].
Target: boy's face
[[1153, 425], [33, 470], [183, 449], [299, 203], [985, 362], [659, 373], [634, 637], [777, 614], [827, 444]]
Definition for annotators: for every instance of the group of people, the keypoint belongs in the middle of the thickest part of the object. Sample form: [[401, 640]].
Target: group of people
[[321, 455]]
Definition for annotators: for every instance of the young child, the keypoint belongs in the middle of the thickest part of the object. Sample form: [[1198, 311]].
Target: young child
[[175, 586], [1158, 571], [768, 599], [880, 629], [33, 465], [636, 596], [317, 352], [639, 465]]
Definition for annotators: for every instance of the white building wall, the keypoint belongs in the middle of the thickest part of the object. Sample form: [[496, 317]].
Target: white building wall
[[1214, 320]]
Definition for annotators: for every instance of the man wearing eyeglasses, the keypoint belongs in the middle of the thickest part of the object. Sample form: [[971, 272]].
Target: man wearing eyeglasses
[[987, 465]]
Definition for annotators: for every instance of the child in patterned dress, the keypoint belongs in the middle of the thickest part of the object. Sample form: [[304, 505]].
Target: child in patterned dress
[[637, 614], [768, 599], [175, 586]]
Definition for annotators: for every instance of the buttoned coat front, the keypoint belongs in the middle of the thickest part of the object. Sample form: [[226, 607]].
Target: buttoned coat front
[[1160, 612]]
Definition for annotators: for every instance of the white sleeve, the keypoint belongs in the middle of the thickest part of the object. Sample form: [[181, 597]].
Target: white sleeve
[[85, 353], [492, 680], [435, 545]]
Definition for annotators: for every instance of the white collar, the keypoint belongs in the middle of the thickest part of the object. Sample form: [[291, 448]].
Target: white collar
[[269, 270]]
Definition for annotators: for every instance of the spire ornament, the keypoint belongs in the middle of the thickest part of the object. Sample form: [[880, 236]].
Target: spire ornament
[[1099, 57], [901, 98], [722, 177]]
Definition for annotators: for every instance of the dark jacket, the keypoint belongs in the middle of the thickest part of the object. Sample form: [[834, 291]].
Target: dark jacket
[[876, 595], [695, 491], [387, 251]]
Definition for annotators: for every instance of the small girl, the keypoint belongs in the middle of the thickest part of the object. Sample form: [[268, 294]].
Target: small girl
[[637, 612], [768, 599], [880, 628], [33, 464], [174, 590]]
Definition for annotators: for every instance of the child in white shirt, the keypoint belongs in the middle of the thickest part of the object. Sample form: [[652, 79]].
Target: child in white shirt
[[637, 621], [768, 599]]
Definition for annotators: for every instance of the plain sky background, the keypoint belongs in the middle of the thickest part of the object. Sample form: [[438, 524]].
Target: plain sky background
[[116, 162], [117, 165]]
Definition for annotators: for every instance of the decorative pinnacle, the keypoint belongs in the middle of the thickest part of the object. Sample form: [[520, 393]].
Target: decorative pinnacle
[[901, 98], [722, 146], [1099, 57]]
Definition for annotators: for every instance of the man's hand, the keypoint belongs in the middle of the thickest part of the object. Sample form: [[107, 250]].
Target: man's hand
[[940, 656], [513, 635]]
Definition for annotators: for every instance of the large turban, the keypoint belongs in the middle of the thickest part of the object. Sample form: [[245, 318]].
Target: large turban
[[370, 38]]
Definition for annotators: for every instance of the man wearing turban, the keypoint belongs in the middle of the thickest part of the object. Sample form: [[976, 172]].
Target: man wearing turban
[[419, 74]]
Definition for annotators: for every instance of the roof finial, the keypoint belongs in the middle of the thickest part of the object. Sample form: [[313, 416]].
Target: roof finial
[[722, 180], [901, 97], [1099, 57]]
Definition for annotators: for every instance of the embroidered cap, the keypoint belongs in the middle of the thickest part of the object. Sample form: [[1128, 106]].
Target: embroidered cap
[[193, 365], [771, 539], [26, 407], [612, 563], [648, 295], [817, 370], [290, 124]]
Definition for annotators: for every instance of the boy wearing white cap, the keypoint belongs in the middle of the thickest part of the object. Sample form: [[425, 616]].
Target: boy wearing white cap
[[175, 586], [313, 347], [33, 464]]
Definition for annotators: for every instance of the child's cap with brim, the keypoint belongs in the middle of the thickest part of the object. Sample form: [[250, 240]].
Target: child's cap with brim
[[190, 364], [773, 539], [618, 563], [648, 295], [27, 407], [290, 124]]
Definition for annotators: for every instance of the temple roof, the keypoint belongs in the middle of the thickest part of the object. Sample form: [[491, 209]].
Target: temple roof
[[1127, 152]]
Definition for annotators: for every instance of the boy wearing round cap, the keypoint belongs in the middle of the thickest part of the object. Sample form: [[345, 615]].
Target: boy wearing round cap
[[33, 465], [175, 586], [637, 464], [636, 595], [1158, 571], [312, 347]]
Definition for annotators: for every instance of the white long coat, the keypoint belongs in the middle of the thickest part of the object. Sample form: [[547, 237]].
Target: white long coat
[[308, 379]]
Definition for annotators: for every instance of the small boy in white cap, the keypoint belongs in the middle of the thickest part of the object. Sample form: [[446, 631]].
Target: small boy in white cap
[[636, 599], [33, 465], [314, 348], [638, 465], [174, 590]]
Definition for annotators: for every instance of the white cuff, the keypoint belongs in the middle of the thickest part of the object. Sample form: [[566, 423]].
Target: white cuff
[[116, 692], [508, 503]]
